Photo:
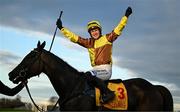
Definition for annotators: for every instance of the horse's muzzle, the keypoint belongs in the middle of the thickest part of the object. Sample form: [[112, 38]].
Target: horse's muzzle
[[14, 78]]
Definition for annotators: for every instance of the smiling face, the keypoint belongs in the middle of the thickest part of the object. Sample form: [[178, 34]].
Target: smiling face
[[95, 33]]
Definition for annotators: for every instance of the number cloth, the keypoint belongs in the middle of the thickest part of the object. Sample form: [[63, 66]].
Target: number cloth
[[120, 102]]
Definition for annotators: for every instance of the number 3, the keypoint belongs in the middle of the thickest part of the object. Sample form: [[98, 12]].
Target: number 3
[[121, 93]]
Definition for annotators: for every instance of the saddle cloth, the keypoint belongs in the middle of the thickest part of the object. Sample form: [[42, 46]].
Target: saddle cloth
[[120, 102]]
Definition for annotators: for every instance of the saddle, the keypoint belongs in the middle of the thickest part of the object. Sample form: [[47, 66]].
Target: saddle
[[120, 102]]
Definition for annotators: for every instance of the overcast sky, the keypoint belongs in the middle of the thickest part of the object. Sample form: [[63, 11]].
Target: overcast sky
[[148, 47]]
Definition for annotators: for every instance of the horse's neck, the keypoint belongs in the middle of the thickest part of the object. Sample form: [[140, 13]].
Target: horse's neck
[[62, 76]]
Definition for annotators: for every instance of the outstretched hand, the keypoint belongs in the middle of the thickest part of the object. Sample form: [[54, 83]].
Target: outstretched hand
[[59, 24], [128, 12]]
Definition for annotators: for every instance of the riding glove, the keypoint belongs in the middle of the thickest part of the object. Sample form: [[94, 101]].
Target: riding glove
[[59, 24], [128, 11]]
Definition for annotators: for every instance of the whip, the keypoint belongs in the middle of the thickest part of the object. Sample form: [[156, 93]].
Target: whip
[[55, 32]]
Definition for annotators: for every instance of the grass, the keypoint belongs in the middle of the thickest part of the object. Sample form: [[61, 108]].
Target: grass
[[14, 110]]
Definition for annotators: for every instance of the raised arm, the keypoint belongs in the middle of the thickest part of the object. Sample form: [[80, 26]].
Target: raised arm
[[67, 33], [72, 36], [119, 28]]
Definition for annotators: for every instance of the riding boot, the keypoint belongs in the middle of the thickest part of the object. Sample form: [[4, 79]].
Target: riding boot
[[107, 94]]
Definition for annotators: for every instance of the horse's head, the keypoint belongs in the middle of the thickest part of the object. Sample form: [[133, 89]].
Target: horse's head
[[30, 66]]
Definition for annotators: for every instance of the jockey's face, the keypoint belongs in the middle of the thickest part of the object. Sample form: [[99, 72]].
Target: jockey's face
[[95, 33]]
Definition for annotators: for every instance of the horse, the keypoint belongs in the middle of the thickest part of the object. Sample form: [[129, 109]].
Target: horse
[[70, 84]]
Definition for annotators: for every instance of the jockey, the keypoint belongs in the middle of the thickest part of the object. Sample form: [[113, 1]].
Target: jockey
[[100, 51], [11, 91]]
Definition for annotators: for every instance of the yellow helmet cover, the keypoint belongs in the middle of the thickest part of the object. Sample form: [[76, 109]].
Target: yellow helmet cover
[[93, 24]]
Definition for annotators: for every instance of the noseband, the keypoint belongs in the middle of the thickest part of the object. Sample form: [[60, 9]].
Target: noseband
[[24, 70]]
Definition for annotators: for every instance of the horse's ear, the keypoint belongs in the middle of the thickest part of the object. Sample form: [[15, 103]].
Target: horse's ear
[[38, 44], [43, 45]]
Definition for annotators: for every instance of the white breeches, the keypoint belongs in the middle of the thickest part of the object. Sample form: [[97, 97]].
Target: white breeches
[[103, 72]]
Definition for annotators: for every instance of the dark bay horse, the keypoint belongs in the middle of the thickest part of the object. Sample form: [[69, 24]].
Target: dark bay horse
[[70, 84]]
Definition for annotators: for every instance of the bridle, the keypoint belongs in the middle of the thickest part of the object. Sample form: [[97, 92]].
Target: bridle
[[24, 70], [23, 74]]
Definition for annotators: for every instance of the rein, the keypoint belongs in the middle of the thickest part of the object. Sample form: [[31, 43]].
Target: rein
[[40, 109]]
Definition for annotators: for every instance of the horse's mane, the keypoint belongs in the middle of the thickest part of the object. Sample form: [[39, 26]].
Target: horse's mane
[[62, 62]]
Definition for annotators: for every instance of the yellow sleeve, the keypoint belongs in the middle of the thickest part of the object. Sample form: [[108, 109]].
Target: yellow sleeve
[[121, 25], [70, 35]]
